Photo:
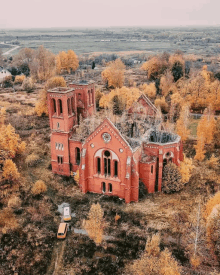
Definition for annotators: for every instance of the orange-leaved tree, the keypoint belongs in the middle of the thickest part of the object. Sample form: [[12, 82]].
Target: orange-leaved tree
[[113, 75]]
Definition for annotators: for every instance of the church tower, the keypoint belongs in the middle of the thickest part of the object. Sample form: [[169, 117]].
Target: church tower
[[63, 116]]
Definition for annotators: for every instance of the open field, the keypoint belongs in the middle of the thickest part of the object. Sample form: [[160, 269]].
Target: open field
[[200, 41]]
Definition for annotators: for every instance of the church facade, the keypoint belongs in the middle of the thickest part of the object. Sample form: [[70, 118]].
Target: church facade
[[107, 162]]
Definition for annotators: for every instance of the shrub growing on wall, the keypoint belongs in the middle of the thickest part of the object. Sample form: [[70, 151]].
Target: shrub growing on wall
[[171, 179]]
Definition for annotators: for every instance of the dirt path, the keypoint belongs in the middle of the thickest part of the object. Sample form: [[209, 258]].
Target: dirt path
[[56, 259]]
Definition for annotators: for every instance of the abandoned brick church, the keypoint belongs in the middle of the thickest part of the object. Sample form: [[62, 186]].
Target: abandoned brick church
[[108, 162]]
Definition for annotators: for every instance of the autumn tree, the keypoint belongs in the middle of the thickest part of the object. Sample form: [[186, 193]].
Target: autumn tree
[[10, 143], [39, 187], [95, 223], [73, 62], [205, 133], [172, 180], [113, 75], [41, 105], [186, 168], [211, 203], [19, 79], [10, 171], [162, 104], [56, 81], [155, 66], [28, 84], [153, 261], [149, 90], [43, 65], [183, 123], [120, 98], [213, 231], [66, 62], [177, 64], [166, 82]]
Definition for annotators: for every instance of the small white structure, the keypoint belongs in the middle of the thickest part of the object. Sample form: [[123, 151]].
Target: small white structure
[[3, 74], [66, 214]]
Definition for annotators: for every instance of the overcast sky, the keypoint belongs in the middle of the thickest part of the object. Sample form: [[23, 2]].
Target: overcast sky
[[107, 13]]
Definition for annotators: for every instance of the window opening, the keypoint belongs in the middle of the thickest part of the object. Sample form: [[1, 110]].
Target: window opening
[[72, 103], [60, 106], [69, 107], [98, 165], [116, 169], [54, 105], [152, 169], [103, 187], [77, 156], [110, 188]]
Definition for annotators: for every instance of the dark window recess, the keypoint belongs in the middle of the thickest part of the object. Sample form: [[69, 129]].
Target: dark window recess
[[164, 162], [103, 187], [60, 106], [107, 154], [69, 107], [60, 160], [116, 169], [105, 167], [110, 188], [54, 105], [77, 156], [109, 167], [152, 169], [98, 165], [72, 104]]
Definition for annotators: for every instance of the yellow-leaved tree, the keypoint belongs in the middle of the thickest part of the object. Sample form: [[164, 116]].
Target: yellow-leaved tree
[[39, 187], [41, 105], [10, 143], [153, 261], [120, 99], [155, 66], [186, 167], [73, 62], [149, 90], [211, 203], [10, 171], [205, 133], [95, 224], [113, 75], [183, 123], [161, 103], [66, 62]]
